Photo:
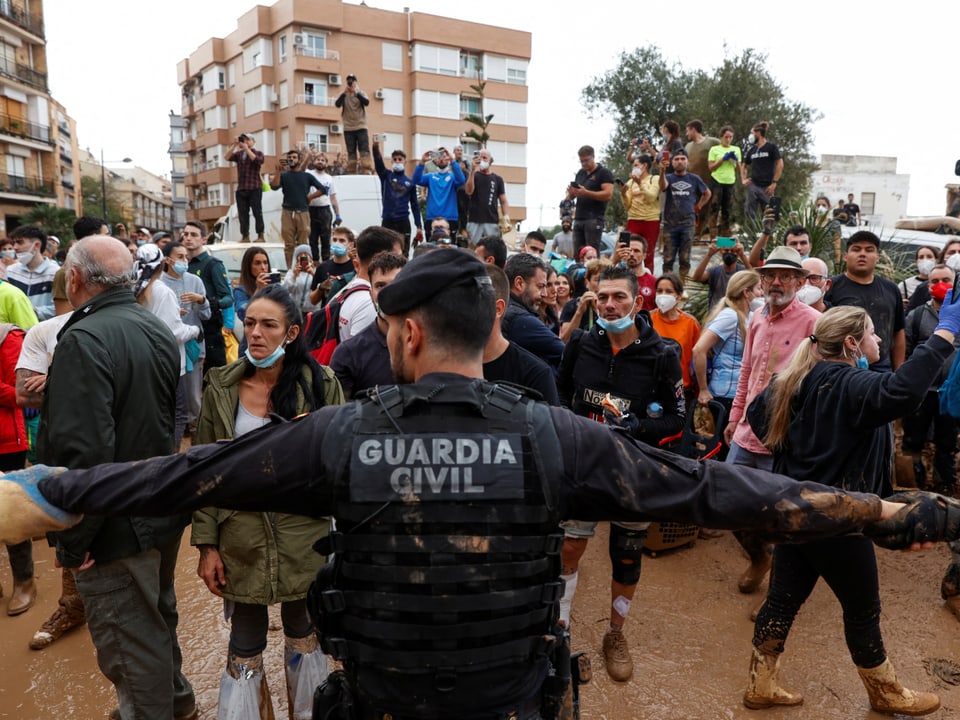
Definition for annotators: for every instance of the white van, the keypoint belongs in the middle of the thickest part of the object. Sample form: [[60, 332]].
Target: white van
[[361, 205]]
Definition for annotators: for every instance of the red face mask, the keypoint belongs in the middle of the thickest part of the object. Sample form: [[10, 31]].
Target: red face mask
[[939, 290]]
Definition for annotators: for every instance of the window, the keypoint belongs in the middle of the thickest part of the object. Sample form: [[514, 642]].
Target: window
[[318, 137], [232, 74], [392, 101], [284, 95], [221, 79], [282, 48], [258, 53], [868, 203], [506, 112], [253, 101], [422, 143], [257, 59], [436, 104], [314, 45], [469, 65], [17, 172], [233, 115], [392, 56], [504, 69], [516, 75], [390, 142], [432, 59], [469, 105], [516, 194], [314, 92]]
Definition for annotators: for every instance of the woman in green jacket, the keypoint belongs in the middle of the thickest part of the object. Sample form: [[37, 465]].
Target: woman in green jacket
[[253, 559]]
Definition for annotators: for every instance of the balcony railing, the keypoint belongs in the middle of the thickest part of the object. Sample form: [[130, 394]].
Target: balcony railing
[[328, 148], [22, 128], [21, 18], [319, 53], [312, 99], [24, 185], [64, 129], [23, 73]]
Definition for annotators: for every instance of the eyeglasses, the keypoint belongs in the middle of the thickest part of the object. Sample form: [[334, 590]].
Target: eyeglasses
[[816, 278], [768, 276]]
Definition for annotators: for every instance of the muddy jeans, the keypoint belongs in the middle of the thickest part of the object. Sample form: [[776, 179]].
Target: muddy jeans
[[132, 615], [849, 566]]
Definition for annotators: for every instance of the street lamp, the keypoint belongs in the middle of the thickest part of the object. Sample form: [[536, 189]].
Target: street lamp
[[103, 182]]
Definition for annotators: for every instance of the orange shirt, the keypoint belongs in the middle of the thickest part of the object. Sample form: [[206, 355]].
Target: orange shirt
[[685, 330]]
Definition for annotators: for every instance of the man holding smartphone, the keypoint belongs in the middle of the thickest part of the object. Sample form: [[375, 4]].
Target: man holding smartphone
[[295, 208], [249, 185], [685, 195], [591, 189], [353, 111]]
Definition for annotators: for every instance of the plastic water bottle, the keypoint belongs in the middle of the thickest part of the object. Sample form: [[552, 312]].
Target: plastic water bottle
[[654, 410]]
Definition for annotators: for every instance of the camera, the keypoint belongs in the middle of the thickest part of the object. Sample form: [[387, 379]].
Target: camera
[[243, 137]]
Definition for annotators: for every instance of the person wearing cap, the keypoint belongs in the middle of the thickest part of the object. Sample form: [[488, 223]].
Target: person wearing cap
[[123, 374], [53, 244], [447, 492], [161, 239], [353, 111], [860, 285], [249, 193], [774, 333], [685, 194]]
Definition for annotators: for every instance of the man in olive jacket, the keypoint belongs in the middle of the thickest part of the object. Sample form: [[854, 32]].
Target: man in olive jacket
[[111, 396]]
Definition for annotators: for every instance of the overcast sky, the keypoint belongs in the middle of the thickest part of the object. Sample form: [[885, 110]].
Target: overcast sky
[[880, 75]]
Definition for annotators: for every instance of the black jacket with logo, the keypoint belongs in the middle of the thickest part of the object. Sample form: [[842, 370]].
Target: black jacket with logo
[[646, 371]]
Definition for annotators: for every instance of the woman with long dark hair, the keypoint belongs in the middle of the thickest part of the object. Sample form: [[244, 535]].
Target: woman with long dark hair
[[254, 275], [253, 559], [825, 418]]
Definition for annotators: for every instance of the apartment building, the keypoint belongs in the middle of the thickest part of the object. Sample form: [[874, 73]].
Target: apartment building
[[278, 75], [37, 138], [142, 198], [179, 162]]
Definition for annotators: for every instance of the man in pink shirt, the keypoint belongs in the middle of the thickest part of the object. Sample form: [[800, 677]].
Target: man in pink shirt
[[775, 332]]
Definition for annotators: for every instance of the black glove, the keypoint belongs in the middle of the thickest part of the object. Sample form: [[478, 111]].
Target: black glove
[[927, 517], [628, 422]]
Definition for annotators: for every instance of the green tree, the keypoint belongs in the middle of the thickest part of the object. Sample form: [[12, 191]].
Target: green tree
[[54, 220], [480, 121], [90, 190], [644, 90]]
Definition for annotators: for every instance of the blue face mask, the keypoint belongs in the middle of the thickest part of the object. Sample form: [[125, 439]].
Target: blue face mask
[[338, 249], [618, 326], [269, 361], [862, 363], [180, 268]]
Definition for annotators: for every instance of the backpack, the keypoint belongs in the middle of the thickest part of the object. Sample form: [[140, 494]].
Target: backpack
[[323, 326]]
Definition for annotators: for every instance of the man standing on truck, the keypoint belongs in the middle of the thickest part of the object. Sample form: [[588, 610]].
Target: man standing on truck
[[295, 208], [249, 193]]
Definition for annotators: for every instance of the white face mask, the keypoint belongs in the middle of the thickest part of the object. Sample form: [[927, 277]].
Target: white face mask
[[637, 172], [756, 303], [925, 266], [484, 165], [666, 303], [25, 257], [398, 167], [751, 138], [809, 294], [821, 210], [952, 262]]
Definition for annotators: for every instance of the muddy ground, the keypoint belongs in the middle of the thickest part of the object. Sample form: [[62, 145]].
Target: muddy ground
[[688, 630]]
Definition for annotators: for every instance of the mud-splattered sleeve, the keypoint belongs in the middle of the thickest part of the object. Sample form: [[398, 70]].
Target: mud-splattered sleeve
[[610, 476], [276, 468]]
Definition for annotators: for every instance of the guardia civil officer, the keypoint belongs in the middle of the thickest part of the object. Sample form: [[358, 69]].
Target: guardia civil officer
[[447, 492]]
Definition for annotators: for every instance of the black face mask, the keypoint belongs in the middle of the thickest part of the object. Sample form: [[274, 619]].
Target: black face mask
[[729, 258]]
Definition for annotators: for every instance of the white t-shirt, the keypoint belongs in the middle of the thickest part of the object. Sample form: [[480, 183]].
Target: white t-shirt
[[39, 343], [357, 311], [327, 182]]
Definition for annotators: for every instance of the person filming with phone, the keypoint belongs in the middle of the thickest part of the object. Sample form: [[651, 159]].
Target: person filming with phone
[[592, 189], [717, 277], [353, 111], [249, 185], [295, 216]]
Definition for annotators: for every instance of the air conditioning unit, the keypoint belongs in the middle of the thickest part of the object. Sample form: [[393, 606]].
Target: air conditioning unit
[[299, 40], [334, 79], [336, 129], [379, 94]]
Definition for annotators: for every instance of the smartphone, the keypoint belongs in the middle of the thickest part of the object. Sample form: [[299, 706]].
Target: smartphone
[[723, 242], [624, 239], [574, 184], [665, 155], [434, 154], [775, 203], [275, 277]]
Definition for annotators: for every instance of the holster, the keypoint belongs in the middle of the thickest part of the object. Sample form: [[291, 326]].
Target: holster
[[558, 679], [333, 700]]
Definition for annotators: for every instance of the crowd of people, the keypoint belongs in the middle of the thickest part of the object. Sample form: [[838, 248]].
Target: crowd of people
[[603, 336]]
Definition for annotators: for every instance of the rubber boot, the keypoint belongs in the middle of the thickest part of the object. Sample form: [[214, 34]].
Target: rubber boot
[[761, 557], [303, 663], [23, 597], [945, 472], [240, 670], [68, 615], [888, 696], [764, 689]]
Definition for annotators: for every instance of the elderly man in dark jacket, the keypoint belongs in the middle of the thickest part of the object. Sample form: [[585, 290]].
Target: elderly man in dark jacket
[[111, 396]]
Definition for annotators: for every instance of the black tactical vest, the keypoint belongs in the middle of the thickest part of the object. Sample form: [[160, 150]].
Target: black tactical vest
[[447, 551]]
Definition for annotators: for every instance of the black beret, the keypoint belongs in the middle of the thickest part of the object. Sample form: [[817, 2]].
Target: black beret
[[427, 275]]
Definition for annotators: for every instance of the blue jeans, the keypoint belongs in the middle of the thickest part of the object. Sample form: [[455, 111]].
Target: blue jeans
[[679, 241], [132, 615]]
